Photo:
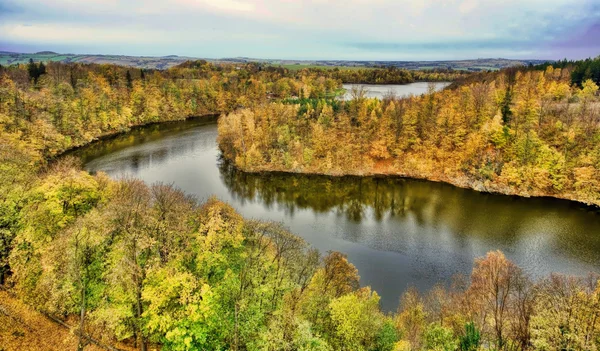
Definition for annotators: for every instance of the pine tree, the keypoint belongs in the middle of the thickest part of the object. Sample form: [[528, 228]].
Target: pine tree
[[505, 108], [129, 80], [470, 341], [41, 69], [32, 69], [35, 70]]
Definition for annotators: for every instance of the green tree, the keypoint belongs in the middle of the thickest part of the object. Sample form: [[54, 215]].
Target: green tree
[[471, 339], [439, 338], [356, 320], [129, 80]]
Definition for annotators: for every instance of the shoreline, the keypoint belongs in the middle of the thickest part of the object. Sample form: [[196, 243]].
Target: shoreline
[[212, 118], [592, 207]]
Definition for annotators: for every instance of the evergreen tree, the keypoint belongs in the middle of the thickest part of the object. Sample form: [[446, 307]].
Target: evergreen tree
[[505, 107], [32, 69], [41, 69], [129, 80], [470, 341], [35, 70]]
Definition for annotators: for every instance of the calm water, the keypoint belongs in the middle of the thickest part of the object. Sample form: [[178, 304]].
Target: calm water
[[399, 90], [398, 232]]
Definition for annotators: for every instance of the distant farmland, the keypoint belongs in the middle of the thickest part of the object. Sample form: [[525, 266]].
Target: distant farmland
[[164, 62]]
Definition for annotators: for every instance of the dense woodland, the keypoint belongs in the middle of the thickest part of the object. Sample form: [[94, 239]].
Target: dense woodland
[[580, 70], [521, 131], [390, 75], [146, 266]]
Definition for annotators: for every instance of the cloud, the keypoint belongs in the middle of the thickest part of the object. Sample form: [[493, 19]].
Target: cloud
[[29, 33], [467, 6], [228, 5], [373, 29]]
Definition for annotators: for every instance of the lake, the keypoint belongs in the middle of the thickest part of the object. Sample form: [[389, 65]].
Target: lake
[[399, 90], [397, 232]]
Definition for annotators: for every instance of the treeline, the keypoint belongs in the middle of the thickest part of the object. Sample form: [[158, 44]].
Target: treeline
[[75, 103], [519, 132], [388, 75], [582, 70]]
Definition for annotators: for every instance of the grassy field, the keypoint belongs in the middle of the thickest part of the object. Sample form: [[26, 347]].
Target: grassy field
[[13, 59], [7, 59], [299, 66], [164, 62]]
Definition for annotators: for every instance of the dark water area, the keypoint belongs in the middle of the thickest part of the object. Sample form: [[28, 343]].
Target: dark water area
[[398, 232]]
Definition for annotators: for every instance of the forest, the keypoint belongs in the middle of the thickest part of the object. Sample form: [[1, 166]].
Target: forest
[[389, 75], [138, 266], [524, 132]]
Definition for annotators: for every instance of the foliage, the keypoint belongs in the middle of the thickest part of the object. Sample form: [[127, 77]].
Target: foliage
[[470, 341], [439, 338], [521, 132], [149, 266]]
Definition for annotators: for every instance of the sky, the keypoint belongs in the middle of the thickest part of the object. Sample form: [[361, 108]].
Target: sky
[[311, 29]]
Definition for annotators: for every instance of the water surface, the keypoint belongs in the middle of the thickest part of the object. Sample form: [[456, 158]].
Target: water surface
[[398, 232], [399, 90]]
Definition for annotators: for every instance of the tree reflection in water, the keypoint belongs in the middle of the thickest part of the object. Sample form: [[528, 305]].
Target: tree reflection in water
[[465, 213]]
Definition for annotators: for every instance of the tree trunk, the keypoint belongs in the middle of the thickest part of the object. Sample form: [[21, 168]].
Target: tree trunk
[[139, 311], [235, 337], [80, 344]]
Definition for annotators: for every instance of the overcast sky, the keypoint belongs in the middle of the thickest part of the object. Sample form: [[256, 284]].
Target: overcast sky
[[316, 29]]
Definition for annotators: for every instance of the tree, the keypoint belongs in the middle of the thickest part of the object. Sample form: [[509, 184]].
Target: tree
[[567, 314], [53, 204], [335, 278], [439, 338], [356, 320], [129, 80], [470, 341], [493, 287], [130, 257], [505, 107], [32, 69], [410, 319], [79, 266], [35, 70]]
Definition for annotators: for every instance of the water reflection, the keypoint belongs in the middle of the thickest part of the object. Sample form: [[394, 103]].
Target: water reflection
[[144, 135], [398, 232], [435, 208], [379, 91]]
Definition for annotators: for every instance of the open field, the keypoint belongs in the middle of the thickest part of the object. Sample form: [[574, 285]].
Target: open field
[[165, 62], [131, 61], [299, 66]]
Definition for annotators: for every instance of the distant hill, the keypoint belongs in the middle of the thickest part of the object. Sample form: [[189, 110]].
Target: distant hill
[[10, 58], [164, 62], [470, 65]]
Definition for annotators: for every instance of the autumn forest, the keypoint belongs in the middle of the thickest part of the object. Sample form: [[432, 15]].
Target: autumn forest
[[119, 264]]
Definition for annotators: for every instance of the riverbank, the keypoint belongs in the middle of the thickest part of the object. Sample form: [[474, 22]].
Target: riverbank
[[461, 182], [381, 169], [116, 133], [484, 136], [383, 221]]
